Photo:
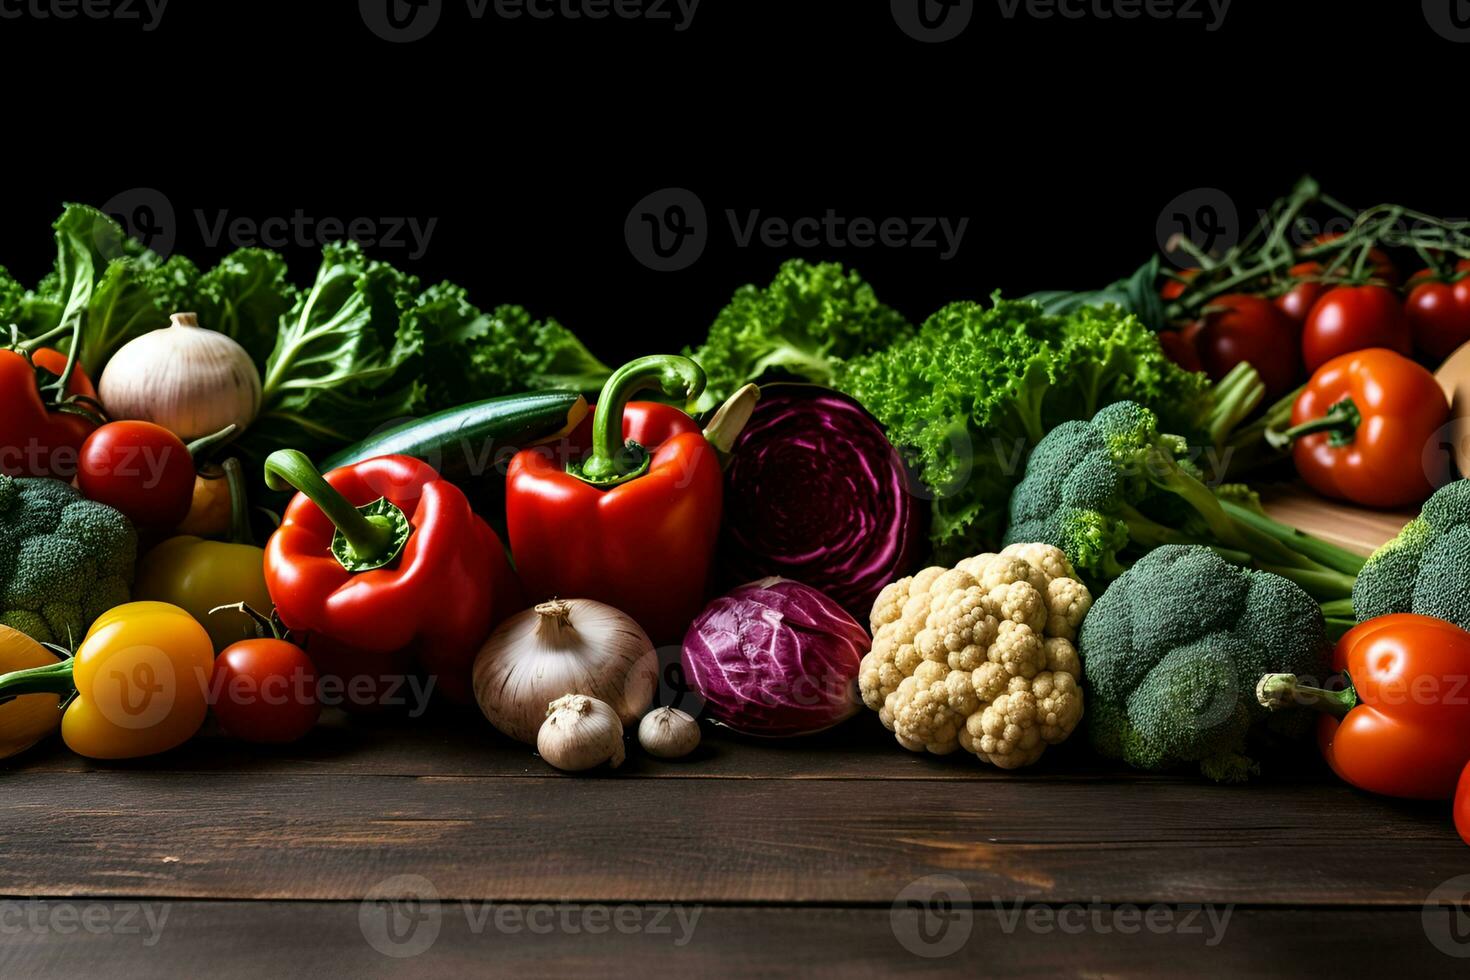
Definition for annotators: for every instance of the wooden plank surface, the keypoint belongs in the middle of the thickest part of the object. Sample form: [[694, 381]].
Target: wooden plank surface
[[250, 940], [793, 853]]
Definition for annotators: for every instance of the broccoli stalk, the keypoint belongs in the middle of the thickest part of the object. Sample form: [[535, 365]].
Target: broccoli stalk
[[1113, 487]]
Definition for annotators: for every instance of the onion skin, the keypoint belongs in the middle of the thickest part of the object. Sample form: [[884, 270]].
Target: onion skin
[[815, 492], [775, 658]]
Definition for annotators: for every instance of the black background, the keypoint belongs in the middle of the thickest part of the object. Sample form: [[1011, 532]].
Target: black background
[[530, 141]]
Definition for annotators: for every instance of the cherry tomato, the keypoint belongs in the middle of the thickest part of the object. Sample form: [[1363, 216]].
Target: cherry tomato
[[264, 691], [142, 469], [1238, 327], [1382, 266], [1297, 302], [1179, 347], [1439, 312], [1349, 318], [1172, 288]]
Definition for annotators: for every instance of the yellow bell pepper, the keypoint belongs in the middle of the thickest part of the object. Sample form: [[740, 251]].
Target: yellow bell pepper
[[27, 719], [198, 575], [141, 679]]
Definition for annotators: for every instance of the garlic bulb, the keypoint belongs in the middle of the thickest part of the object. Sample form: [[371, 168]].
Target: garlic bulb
[[572, 646], [580, 733], [668, 733], [183, 377]]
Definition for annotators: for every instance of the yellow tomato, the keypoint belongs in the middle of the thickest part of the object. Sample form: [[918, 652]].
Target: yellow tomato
[[28, 718], [198, 575]]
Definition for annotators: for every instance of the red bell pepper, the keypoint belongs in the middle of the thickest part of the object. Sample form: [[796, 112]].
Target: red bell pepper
[[48, 407], [383, 561], [1361, 426], [1399, 721], [634, 524]]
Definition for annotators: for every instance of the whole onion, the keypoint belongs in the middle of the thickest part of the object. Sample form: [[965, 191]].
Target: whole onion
[[775, 658], [815, 492]]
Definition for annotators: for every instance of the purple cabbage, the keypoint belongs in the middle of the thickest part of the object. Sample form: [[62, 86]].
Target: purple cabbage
[[775, 658], [815, 492]]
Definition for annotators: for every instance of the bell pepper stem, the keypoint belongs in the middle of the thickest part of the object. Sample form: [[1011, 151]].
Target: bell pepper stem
[[613, 461], [46, 679], [239, 511], [1283, 690], [265, 625], [1340, 423], [367, 537]]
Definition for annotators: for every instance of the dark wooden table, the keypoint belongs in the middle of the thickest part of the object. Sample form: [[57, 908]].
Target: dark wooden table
[[436, 847]]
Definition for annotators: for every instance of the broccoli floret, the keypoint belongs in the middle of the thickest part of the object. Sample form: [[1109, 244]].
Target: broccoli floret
[[1110, 489], [1173, 651], [64, 560], [1426, 568]]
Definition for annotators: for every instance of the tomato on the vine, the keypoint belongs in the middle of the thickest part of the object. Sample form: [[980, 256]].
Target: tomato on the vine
[[1297, 302], [1173, 288], [141, 469], [1238, 327], [1349, 318], [41, 431], [1439, 312], [265, 691], [1382, 265]]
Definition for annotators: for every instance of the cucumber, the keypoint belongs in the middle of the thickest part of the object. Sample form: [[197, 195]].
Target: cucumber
[[474, 440]]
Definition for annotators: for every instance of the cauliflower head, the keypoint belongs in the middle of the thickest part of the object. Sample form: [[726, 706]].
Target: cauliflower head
[[981, 656]]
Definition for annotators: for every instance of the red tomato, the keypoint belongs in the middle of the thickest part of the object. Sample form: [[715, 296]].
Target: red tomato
[[142, 469], [1349, 318], [1297, 302], [1172, 288], [1439, 313], [1179, 347], [1378, 260], [264, 691], [1239, 328], [38, 438]]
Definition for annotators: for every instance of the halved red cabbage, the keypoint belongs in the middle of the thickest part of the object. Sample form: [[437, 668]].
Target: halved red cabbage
[[775, 658], [815, 492]]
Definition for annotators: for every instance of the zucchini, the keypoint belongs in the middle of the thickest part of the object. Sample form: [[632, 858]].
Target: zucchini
[[473, 440]]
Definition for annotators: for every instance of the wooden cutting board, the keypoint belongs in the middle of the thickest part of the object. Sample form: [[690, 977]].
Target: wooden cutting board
[[1354, 528]]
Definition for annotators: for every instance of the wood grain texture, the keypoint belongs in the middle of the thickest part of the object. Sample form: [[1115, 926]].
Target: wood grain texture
[[1354, 528], [803, 841], [246, 941]]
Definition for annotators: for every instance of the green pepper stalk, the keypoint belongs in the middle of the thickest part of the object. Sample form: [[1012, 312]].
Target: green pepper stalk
[[46, 679], [1276, 691], [367, 537], [239, 512], [609, 466], [1340, 423]]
